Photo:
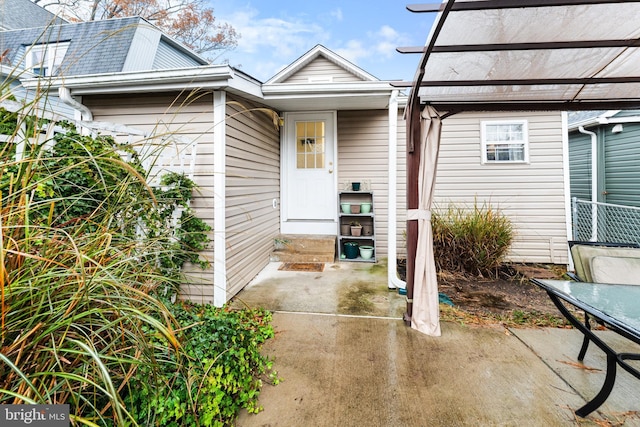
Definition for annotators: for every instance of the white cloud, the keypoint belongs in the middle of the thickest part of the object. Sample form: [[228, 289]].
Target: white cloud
[[337, 14], [381, 43], [268, 44], [281, 37]]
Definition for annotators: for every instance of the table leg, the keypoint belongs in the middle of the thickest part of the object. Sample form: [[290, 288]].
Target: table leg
[[612, 358], [585, 341], [604, 392]]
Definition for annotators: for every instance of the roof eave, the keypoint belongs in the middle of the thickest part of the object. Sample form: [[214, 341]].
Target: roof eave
[[294, 89], [209, 77]]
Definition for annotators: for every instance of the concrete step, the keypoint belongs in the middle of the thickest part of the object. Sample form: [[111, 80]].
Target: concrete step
[[304, 248]]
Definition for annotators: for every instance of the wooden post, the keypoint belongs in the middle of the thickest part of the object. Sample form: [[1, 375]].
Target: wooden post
[[413, 168]]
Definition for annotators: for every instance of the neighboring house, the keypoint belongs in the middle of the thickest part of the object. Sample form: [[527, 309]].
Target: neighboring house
[[96, 47], [605, 145], [87, 48], [17, 14], [272, 157]]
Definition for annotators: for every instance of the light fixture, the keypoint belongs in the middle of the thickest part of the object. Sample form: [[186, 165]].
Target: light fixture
[[617, 128]]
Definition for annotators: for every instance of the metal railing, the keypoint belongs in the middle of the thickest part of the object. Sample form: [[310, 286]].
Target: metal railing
[[605, 222]]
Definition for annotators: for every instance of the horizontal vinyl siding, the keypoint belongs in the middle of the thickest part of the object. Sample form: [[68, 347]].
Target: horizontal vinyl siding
[[252, 183], [321, 68], [168, 56], [363, 156], [531, 195], [162, 114], [622, 165], [580, 165]]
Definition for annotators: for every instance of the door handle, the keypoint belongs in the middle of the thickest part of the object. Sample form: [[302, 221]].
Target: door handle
[[330, 170]]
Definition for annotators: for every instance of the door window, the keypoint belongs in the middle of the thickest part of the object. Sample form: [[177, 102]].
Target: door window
[[310, 145]]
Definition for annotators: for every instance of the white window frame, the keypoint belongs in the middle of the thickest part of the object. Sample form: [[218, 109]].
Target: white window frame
[[46, 56], [485, 142]]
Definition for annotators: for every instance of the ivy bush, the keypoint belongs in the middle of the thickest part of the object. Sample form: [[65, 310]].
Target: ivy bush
[[222, 371]]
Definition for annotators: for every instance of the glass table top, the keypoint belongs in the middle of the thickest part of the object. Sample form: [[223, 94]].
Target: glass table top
[[620, 302]]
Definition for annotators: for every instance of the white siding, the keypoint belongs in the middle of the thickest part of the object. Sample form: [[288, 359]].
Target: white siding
[[191, 118], [252, 183], [363, 156], [532, 195], [168, 56], [322, 70]]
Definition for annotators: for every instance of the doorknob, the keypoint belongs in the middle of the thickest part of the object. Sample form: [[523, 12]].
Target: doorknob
[[330, 170]]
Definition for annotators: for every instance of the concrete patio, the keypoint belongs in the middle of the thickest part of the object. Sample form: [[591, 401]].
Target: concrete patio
[[346, 358]]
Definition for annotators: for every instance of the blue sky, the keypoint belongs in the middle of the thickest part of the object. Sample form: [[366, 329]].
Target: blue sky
[[275, 33]]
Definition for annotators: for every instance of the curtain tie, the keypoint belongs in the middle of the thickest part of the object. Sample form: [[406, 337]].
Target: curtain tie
[[416, 214]]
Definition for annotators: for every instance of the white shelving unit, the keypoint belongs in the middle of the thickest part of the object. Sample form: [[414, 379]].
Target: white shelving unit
[[367, 220]]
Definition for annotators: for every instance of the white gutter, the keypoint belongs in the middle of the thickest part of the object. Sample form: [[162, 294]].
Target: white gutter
[[219, 200], [594, 180], [65, 96], [196, 77], [392, 267]]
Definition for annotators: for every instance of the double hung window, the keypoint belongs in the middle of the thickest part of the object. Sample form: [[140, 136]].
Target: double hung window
[[505, 141]]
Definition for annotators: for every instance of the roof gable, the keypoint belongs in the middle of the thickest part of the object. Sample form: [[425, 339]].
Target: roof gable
[[321, 65]]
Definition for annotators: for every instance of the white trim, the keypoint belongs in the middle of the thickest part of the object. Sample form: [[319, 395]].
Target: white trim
[[524, 141], [567, 182], [383, 88], [211, 77], [219, 200]]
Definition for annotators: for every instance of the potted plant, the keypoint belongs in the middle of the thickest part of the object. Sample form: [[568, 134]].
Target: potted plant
[[351, 250], [345, 229], [366, 252], [356, 228]]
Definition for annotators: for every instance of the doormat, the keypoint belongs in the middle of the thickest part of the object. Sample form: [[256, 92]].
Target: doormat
[[302, 266]]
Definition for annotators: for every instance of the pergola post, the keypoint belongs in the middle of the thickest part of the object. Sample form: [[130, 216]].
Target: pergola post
[[413, 168]]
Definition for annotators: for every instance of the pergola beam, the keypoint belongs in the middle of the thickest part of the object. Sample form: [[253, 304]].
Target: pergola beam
[[498, 47], [506, 4], [521, 82]]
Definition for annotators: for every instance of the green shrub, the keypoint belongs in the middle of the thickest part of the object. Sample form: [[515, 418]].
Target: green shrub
[[472, 240], [221, 374]]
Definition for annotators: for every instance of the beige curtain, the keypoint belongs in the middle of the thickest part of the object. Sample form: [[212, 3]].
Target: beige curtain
[[426, 311]]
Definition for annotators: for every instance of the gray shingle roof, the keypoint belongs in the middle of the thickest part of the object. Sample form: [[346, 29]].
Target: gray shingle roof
[[16, 14], [95, 47], [580, 116]]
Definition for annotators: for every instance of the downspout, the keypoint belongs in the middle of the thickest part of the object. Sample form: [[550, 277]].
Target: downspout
[[594, 181], [392, 272], [219, 199], [65, 96]]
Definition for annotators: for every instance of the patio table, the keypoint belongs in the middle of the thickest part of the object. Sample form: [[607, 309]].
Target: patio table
[[617, 307]]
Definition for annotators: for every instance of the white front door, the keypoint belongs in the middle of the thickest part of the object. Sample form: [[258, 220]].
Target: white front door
[[309, 176]]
